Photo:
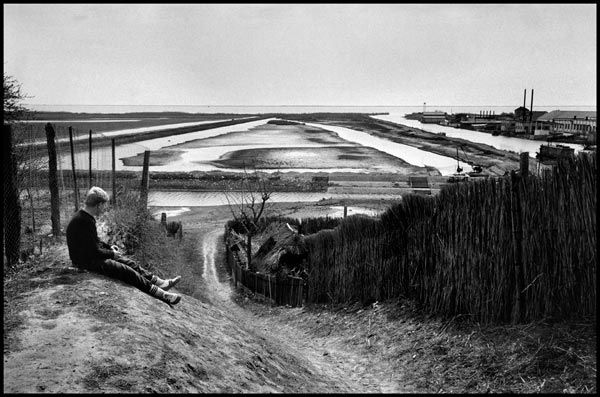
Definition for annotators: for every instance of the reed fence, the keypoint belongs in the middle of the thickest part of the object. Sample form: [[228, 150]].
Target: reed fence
[[513, 249], [282, 291]]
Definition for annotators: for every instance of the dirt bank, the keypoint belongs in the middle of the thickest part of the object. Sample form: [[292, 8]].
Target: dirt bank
[[72, 331]]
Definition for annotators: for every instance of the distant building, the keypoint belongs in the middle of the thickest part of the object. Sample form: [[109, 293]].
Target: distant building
[[522, 121], [567, 122], [433, 117], [522, 113]]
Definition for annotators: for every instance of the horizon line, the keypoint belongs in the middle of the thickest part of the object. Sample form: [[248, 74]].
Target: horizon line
[[72, 104]]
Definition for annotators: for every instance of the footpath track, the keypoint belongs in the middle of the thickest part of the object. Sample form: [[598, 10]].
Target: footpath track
[[330, 359]]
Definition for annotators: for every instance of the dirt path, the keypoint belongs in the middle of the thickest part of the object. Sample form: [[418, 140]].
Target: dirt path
[[333, 360]]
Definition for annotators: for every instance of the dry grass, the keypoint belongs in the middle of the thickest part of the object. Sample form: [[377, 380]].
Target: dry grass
[[457, 355]]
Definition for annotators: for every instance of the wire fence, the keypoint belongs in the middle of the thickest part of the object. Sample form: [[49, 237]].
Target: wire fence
[[83, 159]]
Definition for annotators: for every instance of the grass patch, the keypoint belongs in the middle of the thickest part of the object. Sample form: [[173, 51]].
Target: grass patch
[[102, 374]]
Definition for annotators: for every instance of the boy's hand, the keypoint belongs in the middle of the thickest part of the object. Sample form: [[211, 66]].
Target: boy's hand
[[116, 250]]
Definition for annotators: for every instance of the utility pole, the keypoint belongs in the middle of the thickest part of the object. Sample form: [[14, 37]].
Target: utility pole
[[531, 114]]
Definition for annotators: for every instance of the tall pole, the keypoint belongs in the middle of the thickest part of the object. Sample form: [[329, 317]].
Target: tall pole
[[531, 114], [73, 168], [90, 183], [524, 103], [53, 181], [114, 174]]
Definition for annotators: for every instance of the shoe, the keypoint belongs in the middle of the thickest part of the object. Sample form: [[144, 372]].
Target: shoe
[[171, 283], [167, 297], [171, 299]]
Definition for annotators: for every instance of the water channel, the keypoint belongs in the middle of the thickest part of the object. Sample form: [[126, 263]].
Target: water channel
[[197, 159], [186, 198], [512, 144]]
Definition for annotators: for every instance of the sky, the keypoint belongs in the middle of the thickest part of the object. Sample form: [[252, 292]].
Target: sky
[[302, 54]]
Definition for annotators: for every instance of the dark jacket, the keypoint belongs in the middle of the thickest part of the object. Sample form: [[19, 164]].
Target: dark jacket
[[85, 247]]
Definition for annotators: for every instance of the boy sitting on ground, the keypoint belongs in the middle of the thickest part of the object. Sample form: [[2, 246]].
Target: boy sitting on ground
[[88, 252]]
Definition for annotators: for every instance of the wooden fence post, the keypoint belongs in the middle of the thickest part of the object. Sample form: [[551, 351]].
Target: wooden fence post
[[11, 232], [517, 232], [76, 190], [114, 174], [524, 164], [145, 180], [90, 178], [53, 181]]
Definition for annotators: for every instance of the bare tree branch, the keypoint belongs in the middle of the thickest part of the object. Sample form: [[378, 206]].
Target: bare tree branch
[[250, 207]]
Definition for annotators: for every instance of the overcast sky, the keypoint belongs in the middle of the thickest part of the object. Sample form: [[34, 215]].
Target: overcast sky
[[302, 54]]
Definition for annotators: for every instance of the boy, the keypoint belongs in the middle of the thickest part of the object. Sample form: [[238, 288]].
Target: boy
[[88, 252]]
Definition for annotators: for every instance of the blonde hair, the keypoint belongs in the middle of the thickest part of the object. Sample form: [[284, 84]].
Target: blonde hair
[[96, 196]]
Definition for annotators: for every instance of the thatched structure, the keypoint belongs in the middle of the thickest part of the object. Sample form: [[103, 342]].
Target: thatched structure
[[283, 251]]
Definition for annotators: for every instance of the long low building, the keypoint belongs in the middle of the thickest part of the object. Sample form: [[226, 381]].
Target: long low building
[[433, 117], [568, 122]]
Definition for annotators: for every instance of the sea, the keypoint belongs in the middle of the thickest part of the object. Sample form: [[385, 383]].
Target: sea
[[263, 109]]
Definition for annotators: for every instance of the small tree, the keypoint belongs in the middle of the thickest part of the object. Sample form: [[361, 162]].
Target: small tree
[[12, 111], [12, 97], [28, 159], [248, 206]]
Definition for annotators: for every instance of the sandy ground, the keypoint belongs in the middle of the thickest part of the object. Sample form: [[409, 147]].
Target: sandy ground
[[78, 332], [71, 331]]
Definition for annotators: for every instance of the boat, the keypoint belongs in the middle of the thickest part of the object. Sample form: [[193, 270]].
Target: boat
[[554, 152], [460, 175]]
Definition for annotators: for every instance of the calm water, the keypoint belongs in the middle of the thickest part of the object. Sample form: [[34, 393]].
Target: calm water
[[102, 160], [186, 198], [333, 211]]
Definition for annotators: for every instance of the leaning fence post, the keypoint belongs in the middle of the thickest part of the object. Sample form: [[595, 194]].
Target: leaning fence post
[[145, 181], [76, 190], [53, 181]]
